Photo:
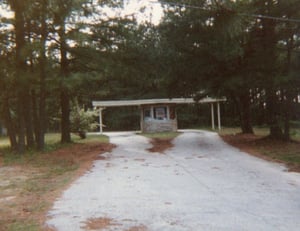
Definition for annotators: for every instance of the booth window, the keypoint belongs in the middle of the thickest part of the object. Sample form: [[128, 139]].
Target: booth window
[[160, 113], [147, 113]]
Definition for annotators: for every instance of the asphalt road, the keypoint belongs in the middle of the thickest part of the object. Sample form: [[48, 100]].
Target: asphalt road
[[200, 184]]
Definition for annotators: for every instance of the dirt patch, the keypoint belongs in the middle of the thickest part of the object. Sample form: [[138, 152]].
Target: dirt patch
[[137, 228], [160, 145], [100, 223], [287, 153], [104, 223], [30, 188]]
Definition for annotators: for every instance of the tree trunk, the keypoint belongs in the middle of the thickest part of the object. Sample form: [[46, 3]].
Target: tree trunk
[[245, 112], [287, 115], [289, 89], [269, 41], [287, 126], [273, 114], [64, 95], [65, 118], [19, 7], [42, 116], [242, 101], [21, 124], [35, 117], [27, 108], [43, 59], [11, 130]]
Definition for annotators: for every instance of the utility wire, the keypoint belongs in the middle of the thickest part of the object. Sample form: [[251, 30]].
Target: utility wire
[[272, 18], [180, 5], [207, 9]]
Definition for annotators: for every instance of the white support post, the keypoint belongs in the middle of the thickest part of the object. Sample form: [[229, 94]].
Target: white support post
[[219, 116], [100, 120], [141, 119], [212, 116]]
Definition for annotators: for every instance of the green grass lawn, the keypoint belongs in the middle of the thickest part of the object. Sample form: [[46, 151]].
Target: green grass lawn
[[161, 135], [52, 143], [259, 131]]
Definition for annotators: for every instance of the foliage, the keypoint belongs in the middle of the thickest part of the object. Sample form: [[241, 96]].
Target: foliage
[[224, 48], [54, 51], [82, 120]]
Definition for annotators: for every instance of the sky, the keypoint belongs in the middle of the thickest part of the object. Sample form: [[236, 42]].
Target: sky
[[5, 12], [152, 10]]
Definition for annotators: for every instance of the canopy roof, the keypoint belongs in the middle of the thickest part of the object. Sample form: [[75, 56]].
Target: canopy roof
[[118, 103]]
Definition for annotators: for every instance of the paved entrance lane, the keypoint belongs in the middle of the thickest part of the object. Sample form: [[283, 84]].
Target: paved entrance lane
[[200, 184]]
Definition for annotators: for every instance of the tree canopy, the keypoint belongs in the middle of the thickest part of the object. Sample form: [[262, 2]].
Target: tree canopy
[[53, 52]]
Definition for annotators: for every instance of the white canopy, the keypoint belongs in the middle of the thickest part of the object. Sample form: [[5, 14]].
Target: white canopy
[[123, 103], [139, 102]]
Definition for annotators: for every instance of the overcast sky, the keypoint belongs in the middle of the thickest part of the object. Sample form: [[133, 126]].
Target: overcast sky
[[152, 12]]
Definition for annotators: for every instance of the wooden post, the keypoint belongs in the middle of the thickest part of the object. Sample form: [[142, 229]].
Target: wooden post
[[212, 116], [100, 120], [219, 116]]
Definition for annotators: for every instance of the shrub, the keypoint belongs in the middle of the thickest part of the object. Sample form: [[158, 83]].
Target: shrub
[[82, 120]]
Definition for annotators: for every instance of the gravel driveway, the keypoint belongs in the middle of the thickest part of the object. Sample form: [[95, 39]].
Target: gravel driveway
[[200, 184]]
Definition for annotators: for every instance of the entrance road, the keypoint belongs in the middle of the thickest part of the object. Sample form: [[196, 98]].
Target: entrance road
[[200, 184]]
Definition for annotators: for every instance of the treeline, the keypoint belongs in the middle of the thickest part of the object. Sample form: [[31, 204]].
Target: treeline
[[247, 51], [56, 52], [53, 52]]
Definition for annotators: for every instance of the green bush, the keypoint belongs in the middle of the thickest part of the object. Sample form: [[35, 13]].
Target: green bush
[[82, 120]]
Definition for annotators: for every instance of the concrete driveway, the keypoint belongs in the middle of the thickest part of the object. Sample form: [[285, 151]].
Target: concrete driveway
[[200, 184]]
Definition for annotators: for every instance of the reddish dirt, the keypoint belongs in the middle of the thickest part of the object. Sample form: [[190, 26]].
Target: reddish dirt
[[138, 228], [244, 142], [28, 183], [103, 223], [100, 223], [160, 145], [82, 154], [256, 145]]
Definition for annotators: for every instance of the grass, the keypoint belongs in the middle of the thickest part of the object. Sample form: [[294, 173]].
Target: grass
[[94, 138], [259, 131], [275, 150], [52, 143], [161, 135], [286, 152], [237, 130], [19, 226]]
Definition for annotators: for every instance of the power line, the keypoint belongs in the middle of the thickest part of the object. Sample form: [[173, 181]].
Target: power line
[[260, 16], [180, 5], [272, 18]]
